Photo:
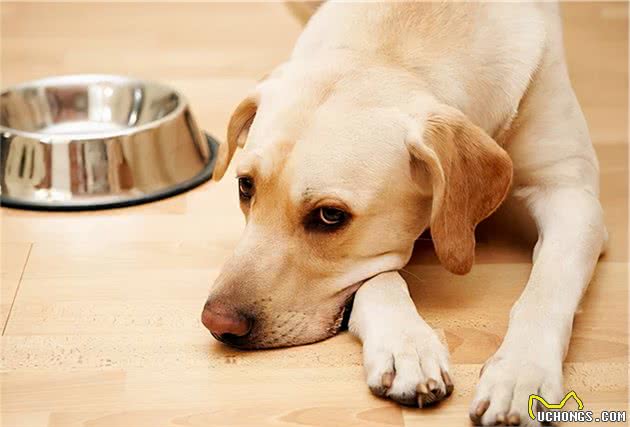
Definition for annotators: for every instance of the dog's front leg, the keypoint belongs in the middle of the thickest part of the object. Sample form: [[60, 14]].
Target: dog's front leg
[[403, 357], [529, 361]]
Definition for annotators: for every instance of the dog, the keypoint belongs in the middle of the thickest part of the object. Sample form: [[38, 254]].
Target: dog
[[387, 120]]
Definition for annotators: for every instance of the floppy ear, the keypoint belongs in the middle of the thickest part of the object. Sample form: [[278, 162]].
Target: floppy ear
[[471, 175], [237, 131]]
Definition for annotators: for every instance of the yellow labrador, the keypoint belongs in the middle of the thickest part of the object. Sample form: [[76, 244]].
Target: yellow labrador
[[388, 119]]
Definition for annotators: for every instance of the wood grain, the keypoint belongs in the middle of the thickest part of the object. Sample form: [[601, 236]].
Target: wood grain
[[13, 258], [104, 328]]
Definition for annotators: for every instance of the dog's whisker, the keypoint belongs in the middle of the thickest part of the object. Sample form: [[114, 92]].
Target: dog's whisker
[[415, 276]]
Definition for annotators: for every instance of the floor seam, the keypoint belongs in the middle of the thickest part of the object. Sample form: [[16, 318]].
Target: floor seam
[[17, 289]]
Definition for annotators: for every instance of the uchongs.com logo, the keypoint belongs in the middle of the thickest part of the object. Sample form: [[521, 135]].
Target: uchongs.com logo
[[555, 413]]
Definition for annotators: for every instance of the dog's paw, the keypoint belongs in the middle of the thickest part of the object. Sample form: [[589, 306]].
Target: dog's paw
[[502, 395], [410, 367]]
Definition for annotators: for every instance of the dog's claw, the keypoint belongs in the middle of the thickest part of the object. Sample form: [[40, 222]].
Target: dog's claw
[[382, 387], [388, 379], [425, 400], [424, 396], [448, 382], [514, 420], [481, 409], [422, 388], [430, 393], [427, 393], [501, 420]]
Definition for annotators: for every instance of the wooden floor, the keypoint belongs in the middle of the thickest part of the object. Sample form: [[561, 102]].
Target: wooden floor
[[100, 311]]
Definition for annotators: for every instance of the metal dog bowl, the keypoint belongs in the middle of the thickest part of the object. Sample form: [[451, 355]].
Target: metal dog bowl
[[95, 141]]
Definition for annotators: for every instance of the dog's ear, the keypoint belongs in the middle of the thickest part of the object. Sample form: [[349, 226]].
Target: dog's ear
[[241, 121], [237, 131], [471, 175]]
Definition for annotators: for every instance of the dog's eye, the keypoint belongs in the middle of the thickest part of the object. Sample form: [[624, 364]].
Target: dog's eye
[[332, 216], [326, 219], [245, 187]]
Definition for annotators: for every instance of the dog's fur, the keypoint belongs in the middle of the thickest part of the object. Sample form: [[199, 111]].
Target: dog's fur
[[409, 116]]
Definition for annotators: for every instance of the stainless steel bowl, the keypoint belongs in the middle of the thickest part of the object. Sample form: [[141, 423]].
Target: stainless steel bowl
[[97, 141]]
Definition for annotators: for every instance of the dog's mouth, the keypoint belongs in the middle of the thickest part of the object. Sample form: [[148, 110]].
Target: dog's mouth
[[296, 327], [343, 316]]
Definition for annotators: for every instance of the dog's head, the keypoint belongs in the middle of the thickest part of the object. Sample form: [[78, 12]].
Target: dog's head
[[336, 184]]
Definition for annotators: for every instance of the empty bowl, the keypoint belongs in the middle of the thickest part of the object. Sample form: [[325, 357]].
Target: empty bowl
[[98, 141]]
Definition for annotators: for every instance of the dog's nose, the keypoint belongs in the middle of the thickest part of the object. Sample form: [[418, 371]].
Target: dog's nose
[[224, 323]]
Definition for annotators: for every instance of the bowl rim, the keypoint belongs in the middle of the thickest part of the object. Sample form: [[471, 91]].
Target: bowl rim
[[86, 79]]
